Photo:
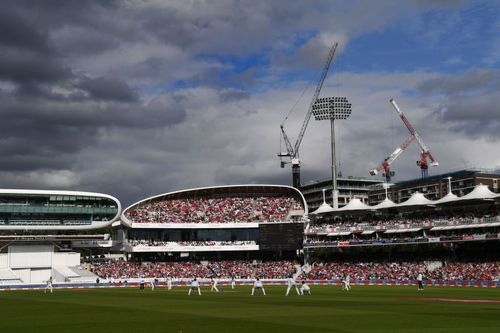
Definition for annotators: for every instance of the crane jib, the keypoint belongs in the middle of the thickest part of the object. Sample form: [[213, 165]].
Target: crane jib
[[293, 151]]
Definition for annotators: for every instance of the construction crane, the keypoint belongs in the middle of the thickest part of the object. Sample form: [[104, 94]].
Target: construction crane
[[292, 152], [424, 154]]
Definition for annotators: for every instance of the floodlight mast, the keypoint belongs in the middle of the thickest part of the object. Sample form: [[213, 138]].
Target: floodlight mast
[[292, 152], [332, 108]]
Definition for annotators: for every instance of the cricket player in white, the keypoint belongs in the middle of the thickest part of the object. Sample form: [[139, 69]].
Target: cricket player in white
[[346, 284], [169, 283], [233, 283], [291, 283], [49, 285], [258, 285], [152, 283], [214, 286], [194, 285], [420, 279], [304, 289]]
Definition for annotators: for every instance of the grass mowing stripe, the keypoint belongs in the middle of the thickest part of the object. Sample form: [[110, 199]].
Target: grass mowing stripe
[[328, 309]]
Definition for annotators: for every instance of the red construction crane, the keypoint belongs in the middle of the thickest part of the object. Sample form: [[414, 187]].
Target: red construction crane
[[424, 155]]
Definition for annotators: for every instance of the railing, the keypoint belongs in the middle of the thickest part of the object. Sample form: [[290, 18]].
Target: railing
[[415, 225], [400, 241]]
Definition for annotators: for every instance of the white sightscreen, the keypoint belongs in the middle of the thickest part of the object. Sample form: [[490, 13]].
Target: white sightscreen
[[30, 256]]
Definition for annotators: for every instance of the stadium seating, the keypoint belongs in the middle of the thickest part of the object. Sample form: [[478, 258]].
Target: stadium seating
[[214, 210], [239, 269], [405, 271]]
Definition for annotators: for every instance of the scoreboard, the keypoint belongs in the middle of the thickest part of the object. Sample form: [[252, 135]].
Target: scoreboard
[[280, 236]]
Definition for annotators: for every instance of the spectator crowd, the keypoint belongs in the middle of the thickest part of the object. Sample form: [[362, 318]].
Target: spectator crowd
[[405, 271], [214, 210], [239, 269], [355, 239], [152, 243], [382, 222]]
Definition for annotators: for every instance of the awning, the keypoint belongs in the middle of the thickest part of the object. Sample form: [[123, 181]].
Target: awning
[[340, 233], [417, 199], [394, 231], [354, 204]]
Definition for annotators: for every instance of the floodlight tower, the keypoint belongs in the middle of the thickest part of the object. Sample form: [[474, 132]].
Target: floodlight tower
[[332, 108]]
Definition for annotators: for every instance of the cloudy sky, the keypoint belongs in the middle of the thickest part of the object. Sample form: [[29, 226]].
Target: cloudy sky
[[136, 98]]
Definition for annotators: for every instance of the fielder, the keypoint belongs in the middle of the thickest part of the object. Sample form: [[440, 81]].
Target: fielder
[[49, 285], [305, 289], [420, 280], [233, 283], [258, 285], [169, 283], [194, 285], [141, 284], [346, 283], [214, 285], [291, 283], [152, 283]]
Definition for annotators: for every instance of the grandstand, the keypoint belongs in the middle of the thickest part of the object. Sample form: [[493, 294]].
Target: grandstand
[[472, 217], [248, 231], [213, 221], [38, 228]]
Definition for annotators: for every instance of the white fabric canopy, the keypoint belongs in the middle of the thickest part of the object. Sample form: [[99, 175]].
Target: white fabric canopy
[[447, 198], [354, 204], [417, 199], [480, 192], [323, 208], [387, 203]]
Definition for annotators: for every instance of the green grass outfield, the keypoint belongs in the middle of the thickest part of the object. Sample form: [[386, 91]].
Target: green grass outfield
[[328, 309]]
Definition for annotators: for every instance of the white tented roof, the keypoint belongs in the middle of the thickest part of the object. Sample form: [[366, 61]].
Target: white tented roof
[[480, 192], [355, 204], [323, 208], [417, 199], [447, 198], [387, 203]]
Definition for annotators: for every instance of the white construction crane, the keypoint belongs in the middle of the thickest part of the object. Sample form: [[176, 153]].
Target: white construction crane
[[292, 152], [425, 152]]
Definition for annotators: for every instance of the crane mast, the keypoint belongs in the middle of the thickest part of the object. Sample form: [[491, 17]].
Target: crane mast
[[293, 151]]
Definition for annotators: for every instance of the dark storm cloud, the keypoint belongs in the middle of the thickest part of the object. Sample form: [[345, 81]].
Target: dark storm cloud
[[18, 33], [108, 88], [139, 97], [24, 66], [52, 111], [471, 104], [477, 116], [85, 41], [37, 131], [90, 114]]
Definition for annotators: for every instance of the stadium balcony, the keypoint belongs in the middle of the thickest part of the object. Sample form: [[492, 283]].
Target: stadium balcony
[[235, 206], [56, 210], [410, 226], [192, 246]]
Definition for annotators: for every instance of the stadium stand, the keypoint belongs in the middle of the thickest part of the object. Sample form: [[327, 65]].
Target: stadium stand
[[215, 210], [153, 243], [405, 271], [240, 269]]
